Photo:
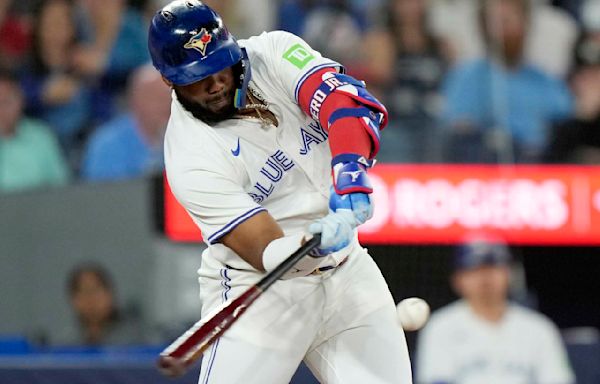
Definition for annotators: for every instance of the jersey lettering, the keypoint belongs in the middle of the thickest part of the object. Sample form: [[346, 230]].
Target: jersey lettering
[[281, 159], [316, 135], [316, 102], [334, 83], [316, 127], [273, 171]]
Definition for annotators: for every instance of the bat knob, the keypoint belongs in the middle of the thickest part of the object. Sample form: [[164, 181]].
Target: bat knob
[[171, 366]]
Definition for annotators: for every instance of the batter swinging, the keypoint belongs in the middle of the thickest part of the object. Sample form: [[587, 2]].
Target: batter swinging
[[268, 143]]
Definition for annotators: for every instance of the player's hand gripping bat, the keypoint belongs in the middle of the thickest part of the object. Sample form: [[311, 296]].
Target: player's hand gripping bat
[[181, 353]]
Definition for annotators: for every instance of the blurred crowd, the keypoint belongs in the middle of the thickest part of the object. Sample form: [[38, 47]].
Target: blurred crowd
[[490, 81], [464, 81]]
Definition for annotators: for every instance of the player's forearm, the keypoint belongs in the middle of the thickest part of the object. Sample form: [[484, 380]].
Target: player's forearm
[[250, 238]]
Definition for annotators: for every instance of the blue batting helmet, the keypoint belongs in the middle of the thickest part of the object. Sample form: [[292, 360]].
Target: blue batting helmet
[[189, 42]]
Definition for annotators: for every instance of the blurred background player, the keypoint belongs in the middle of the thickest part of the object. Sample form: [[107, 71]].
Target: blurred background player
[[485, 338]]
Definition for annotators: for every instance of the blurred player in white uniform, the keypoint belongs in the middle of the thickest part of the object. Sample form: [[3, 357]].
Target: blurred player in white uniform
[[269, 143], [483, 338]]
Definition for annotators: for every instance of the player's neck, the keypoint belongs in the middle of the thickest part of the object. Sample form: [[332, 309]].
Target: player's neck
[[256, 108], [491, 312]]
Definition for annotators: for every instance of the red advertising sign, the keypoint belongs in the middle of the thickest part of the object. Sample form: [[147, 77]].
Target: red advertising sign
[[536, 205]]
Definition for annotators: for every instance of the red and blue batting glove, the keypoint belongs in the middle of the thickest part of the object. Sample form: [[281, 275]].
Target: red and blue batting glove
[[351, 186]]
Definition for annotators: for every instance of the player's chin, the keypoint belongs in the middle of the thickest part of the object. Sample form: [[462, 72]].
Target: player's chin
[[223, 112]]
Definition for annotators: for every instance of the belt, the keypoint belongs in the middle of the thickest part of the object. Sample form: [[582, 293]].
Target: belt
[[319, 271]]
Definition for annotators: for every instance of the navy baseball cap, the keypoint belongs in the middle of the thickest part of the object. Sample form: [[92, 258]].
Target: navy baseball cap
[[478, 253]]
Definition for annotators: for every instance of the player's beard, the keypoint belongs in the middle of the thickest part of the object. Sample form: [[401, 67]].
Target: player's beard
[[207, 115]]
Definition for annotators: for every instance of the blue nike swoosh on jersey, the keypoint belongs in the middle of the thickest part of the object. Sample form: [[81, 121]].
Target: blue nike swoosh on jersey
[[236, 151]]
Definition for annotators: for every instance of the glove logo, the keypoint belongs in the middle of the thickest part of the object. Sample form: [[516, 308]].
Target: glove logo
[[199, 41], [354, 174]]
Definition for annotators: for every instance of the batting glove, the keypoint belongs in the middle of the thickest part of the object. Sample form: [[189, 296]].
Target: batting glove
[[351, 186], [336, 229]]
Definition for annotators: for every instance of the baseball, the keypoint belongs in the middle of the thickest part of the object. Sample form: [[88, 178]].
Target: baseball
[[412, 313]]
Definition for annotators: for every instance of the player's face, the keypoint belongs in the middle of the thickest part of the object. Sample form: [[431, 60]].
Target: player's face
[[210, 99], [11, 105], [484, 285], [92, 300]]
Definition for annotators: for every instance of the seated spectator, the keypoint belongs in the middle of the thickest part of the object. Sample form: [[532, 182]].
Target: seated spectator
[[499, 109], [14, 37], [30, 156], [54, 91], [578, 140], [246, 18], [114, 44], [552, 33], [131, 145], [99, 321], [407, 65], [291, 15], [333, 28], [485, 338]]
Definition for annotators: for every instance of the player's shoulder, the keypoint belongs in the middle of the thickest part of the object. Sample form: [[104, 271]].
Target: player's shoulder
[[267, 38], [527, 317], [449, 315], [268, 43]]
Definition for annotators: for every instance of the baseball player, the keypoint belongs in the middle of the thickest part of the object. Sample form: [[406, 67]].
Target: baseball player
[[269, 143], [483, 337]]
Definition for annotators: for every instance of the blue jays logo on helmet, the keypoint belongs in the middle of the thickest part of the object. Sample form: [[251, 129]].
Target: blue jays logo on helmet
[[199, 41]]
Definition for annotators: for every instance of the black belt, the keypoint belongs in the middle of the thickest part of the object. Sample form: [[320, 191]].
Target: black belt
[[319, 271]]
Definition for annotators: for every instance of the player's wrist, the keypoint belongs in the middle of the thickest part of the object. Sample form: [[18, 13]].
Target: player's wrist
[[279, 249], [349, 173]]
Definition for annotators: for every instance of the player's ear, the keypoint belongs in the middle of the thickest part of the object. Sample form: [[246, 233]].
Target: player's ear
[[456, 283]]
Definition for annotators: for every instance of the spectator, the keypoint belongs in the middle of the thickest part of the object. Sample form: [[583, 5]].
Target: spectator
[[248, 18], [483, 337], [578, 140], [99, 321], [336, 29], [54, 91], [292, 15], [499, 108], [14, 37], [114, 44], [552, 33], [407, 65], [30, 156], [131, 144]]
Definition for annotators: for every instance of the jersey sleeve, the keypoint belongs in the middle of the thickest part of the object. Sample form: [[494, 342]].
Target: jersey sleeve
[[292, 60], [216, 202], [553, 363]]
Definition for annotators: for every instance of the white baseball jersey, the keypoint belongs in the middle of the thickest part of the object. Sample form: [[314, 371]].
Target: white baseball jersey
[[226, 173], [458, 347]]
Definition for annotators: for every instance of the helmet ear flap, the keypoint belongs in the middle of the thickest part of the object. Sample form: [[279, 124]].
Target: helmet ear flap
[[242, 74]]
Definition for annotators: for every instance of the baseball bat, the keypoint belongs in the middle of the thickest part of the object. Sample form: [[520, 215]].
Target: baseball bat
[[187, 348]]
